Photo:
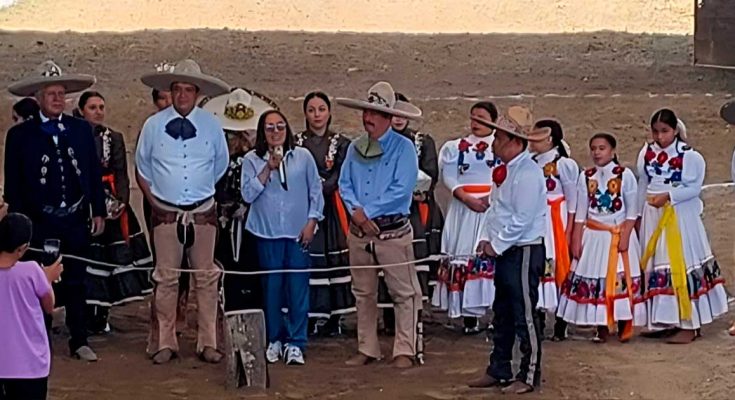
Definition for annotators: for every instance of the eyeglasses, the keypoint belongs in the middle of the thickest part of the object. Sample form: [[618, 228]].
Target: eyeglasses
[[271, 128]]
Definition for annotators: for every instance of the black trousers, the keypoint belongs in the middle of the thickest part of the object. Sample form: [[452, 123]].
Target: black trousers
[[23, 389], [517, 274]]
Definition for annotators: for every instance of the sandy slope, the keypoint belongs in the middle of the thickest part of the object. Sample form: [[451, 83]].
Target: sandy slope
[[415, 16]]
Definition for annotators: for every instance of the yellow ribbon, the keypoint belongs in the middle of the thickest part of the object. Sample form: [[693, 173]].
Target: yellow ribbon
[[669, 222]]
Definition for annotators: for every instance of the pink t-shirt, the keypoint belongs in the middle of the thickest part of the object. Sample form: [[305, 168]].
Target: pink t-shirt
[[23, 338]]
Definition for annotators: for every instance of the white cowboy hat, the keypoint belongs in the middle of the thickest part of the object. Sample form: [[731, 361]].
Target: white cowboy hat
[[381, 97], [185, 71], [49, 73], [240, 109], [517, 121]]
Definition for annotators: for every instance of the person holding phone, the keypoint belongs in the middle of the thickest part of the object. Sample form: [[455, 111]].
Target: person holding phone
[[281, 182], [26, 294]]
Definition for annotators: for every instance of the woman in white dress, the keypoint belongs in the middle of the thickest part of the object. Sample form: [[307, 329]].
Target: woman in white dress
[[465, 284], [561, 173], [684, 287], [604, 288]]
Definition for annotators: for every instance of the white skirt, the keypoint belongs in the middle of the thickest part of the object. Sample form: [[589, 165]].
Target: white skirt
[[548, 298], [704, 279], [465, 287], [582, 300]]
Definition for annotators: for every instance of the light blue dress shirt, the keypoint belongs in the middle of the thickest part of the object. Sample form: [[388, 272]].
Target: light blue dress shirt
[[276, 213], [383, 185], [182, 172]]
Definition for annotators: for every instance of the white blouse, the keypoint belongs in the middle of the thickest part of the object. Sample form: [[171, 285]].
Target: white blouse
[[467, 161], [607, 194], [678, 170], [561, 174]]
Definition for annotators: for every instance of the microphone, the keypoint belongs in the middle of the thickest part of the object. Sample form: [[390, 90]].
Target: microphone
[[278, 150]]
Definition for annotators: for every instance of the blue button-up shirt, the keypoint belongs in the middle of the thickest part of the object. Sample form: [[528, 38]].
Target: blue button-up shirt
[[276, 213], [383, 185], [178, 171]]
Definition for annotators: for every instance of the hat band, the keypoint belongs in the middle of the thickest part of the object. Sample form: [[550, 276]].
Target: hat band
[[375, 98], [239, 112]]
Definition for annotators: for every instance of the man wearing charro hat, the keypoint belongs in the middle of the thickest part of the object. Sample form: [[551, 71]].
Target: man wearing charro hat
[[52, 175], [514, 229], [377, 182], [181, 155]]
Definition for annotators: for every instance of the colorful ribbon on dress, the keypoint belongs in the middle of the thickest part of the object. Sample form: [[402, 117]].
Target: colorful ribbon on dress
[[344, 222], [612, 276], [124, 225], [561, 246], [675, 247]]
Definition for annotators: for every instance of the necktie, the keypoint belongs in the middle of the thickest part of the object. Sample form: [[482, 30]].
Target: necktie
[[181, 128]]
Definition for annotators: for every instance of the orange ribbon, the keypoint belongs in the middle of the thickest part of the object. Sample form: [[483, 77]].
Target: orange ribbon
[[341, 213], [424, 213], [476, 189], [612, 276], [561, 246], [124, 223]]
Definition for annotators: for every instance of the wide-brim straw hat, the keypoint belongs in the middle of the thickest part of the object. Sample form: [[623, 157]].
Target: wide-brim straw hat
[[517, 121], [49, 73], [185, 71], [382, 98], [240, 109]]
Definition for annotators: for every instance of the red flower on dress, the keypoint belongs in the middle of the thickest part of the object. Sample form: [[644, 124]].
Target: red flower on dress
[[550, 185], [593, 201], [499, 174], [650, 155], [480, 147], [618, 170], [662, 157], [590, 172], [617, 204], [464, 145], [676, 162]]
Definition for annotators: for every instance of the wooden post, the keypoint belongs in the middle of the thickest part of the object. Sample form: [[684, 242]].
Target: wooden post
[[245, 344]]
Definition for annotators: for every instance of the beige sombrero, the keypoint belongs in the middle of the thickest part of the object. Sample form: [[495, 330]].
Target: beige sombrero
[[381, 97], [240, 109], [517, 121], [49, 73], [185, 71]]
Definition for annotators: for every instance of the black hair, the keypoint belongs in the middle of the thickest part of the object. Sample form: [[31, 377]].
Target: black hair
[[155, 94], [668, 117], [610, 139], [15, 231], [489, 107], [27, 108], [84, 98], [323, 96], [261, 144], [557, 134]]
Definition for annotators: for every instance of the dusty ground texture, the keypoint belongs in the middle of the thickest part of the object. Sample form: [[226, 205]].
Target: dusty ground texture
[[592, 82]]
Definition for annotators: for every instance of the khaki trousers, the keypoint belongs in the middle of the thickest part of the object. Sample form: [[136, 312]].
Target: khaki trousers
[[201, 257], [403, 286]]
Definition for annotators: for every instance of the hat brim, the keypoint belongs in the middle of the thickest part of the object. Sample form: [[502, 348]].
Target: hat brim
[[73, 83], [535, 135], [727, 112], [208, 85], [364, 105], [217, 104]]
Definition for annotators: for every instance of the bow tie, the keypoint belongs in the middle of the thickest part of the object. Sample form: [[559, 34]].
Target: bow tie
[[53, 127], [181, 128]]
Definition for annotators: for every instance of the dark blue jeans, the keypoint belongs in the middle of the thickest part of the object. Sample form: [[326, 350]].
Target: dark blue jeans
[[289, 290]]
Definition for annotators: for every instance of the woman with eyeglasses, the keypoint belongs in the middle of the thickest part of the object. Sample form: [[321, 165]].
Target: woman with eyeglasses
[[281, 182], [331, 292]]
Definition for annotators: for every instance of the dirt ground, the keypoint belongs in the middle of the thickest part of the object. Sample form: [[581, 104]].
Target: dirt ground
[[590, 81]]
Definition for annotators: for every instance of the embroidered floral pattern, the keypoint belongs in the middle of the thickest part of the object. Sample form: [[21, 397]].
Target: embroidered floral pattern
[[701, 280], [609, 201], [662, 165], [551, 173], [332, 151], [418, 142], [106, 147], [464, 147], [583, 290]]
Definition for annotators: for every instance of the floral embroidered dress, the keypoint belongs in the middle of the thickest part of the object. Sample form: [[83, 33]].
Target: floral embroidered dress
[[118, 255], [603, 276], [465, 285], [684, 286], [329, 293], [561, 175]]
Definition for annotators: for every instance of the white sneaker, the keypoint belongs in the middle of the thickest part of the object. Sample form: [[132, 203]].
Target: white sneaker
[[294, 356], [274, 352]]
